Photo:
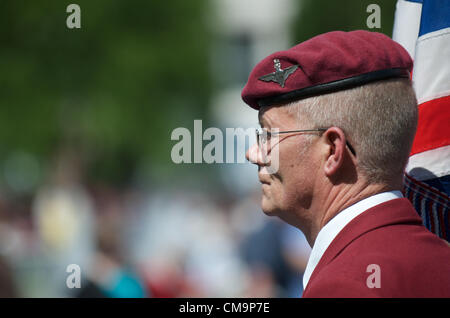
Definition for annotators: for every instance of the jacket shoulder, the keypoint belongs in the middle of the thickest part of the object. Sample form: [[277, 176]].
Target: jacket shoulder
[[410, 262]]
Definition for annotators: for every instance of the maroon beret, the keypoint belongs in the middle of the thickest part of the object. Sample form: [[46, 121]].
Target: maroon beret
[[326, 63]]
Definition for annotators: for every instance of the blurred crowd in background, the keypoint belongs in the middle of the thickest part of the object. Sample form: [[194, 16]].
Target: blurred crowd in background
[[134, 243], [86, 117]]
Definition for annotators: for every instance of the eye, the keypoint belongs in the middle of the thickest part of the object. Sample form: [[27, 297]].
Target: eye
[[268, 134]]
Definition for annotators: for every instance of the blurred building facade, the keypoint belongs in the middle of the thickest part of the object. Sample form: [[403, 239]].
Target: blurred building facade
[[244, 33]]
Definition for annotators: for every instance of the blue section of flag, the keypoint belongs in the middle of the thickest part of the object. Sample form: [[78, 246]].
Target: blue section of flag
[[431, 204], [435, 16], [426, 220], [418, 1], [442, 184], [446, 225]]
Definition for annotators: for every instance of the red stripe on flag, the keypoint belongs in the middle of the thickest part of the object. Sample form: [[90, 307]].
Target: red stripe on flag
[[433, 130]]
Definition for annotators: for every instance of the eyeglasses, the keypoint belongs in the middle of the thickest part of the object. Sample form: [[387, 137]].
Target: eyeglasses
[[264, 137]]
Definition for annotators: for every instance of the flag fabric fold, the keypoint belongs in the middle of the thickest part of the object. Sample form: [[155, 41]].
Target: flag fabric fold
[[423, 28]]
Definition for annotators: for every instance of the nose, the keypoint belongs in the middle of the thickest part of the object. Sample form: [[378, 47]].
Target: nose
[[254, 155], [251, 154]]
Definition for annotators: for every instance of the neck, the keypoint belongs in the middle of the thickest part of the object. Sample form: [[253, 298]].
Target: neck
[[337, 199]]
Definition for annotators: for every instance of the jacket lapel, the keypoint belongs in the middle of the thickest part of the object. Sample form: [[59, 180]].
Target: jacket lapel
[[397, 211]]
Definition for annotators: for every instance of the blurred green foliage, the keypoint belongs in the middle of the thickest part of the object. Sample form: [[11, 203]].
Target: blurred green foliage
[[113, 90], [320, 16]]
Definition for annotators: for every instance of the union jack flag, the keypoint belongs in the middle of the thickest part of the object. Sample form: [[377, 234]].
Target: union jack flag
[[423, 28]]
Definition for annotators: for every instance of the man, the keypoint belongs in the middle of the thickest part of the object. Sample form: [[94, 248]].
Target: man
[[338, 114]]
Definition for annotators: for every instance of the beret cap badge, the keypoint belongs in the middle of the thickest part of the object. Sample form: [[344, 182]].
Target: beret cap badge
[[279, 76]]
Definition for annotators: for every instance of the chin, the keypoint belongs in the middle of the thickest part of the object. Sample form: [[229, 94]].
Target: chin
[[268, 207]]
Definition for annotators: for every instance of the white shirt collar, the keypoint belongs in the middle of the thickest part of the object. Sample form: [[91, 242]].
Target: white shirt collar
[[336, 224]]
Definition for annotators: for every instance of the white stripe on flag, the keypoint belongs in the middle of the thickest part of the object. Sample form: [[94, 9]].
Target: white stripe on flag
[[407, 24], [435, 162], [431, 76]]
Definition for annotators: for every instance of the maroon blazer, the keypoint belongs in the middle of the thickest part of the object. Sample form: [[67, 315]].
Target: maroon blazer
[[413, 262]]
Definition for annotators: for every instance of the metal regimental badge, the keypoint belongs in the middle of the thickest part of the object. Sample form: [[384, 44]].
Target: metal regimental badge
[[279, 76]]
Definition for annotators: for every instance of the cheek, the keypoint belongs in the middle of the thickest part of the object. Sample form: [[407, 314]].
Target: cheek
[[285, 184], [297, 174], [291, 168], [292, 184]]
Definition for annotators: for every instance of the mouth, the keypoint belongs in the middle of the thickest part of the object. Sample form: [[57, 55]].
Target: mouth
[[263, 181]]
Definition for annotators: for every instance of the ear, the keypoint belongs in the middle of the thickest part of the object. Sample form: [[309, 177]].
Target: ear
[[335, 140]]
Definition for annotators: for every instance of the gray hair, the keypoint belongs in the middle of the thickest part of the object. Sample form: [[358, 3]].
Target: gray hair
[[379, 120]]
